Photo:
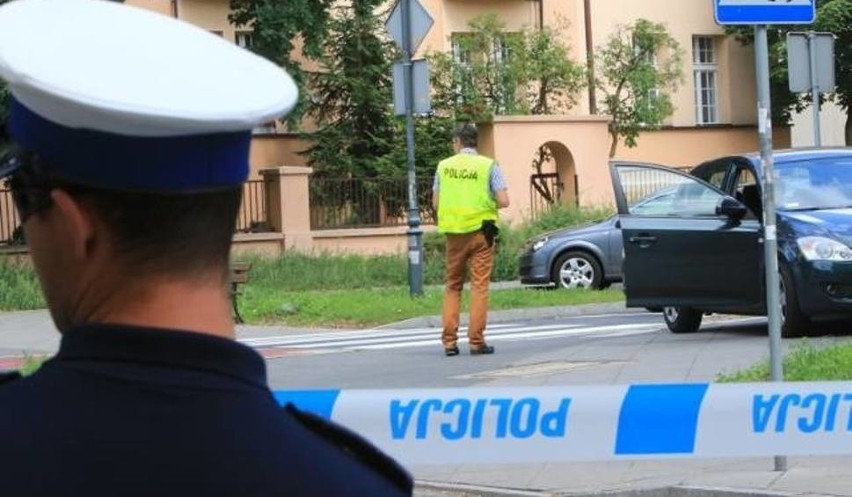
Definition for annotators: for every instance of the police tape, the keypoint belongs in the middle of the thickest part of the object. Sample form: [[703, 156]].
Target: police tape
[[593, 423]]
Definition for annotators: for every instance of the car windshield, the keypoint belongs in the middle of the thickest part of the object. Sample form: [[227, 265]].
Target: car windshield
[[814, 184]]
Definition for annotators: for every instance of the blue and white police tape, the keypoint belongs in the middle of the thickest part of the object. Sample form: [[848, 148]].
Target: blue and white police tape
[[542, 424]]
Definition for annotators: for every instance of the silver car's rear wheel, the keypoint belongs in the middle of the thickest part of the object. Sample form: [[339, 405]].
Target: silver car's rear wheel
[[577, 270]]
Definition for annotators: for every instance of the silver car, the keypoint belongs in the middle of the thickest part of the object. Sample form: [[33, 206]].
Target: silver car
[[588, 256]]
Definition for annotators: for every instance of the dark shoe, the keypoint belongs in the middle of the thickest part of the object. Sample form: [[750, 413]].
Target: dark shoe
[[451, 351], [485, 349]]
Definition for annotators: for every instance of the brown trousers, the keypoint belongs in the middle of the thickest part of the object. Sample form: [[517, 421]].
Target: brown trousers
[[461, 249]]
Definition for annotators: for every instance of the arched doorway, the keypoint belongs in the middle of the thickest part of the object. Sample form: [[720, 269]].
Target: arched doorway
[[554, 178]]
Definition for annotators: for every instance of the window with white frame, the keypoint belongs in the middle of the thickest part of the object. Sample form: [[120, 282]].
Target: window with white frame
[[705, 74], [244, 39], [501, 52], [462, 57]]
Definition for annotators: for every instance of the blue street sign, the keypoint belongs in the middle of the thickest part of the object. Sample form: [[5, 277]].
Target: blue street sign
[[765, 11]]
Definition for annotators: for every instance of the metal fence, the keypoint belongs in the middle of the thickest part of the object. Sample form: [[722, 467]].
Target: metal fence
[[253, 215], [10, 231], [545, 190], [638, 183], [364, 203]]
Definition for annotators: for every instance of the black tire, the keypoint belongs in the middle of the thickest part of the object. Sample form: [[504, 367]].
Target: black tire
[[794, 323], [577, 269], [654, 309], [682, 319]]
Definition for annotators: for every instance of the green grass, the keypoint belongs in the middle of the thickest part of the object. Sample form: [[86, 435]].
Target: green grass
[[19, 289], [804, 362], [330, 290], [371, 307]]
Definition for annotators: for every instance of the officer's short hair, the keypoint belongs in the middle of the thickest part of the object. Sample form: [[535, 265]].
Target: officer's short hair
[[466, 134], [167, 234]]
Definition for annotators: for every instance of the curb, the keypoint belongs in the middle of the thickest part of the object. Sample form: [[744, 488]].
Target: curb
[[513, 315], [435, 489]]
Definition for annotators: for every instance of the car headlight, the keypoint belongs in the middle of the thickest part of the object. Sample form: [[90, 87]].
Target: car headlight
[[817, 248], [539, 244]]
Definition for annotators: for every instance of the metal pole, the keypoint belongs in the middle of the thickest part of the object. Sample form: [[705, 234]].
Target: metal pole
[[770, 246], [812, 47], [590, 57], [415, 234]]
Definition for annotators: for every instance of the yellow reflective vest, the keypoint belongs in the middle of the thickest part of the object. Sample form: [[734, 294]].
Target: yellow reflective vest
[[464, 198]]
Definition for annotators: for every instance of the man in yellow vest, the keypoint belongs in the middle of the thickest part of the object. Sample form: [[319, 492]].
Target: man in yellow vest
[[468, 190]]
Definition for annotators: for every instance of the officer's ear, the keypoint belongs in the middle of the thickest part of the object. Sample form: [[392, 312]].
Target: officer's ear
[[76, 220]]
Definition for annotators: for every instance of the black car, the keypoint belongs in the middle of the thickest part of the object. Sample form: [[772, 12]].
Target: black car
[[705, 253]]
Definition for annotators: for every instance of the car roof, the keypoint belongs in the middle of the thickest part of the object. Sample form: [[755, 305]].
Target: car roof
[[783, 156]]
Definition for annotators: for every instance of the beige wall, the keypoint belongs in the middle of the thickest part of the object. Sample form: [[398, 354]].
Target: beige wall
[[832, 126], [276, 151], [165, 7], [685, 147], [211, 15], [513, 142], [685, 19]]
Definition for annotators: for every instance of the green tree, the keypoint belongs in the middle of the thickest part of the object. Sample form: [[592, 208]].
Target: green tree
[[352, 92], [351, 107], [433, 137], [497, 72], [4, 100], [638, 68], [834, 16], [284, 31], [555, 81]]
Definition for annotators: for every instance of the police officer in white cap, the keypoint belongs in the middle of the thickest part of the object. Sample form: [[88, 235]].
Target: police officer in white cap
[[130, 136]]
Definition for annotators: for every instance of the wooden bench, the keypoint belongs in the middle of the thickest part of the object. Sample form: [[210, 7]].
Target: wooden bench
[[238, 275]]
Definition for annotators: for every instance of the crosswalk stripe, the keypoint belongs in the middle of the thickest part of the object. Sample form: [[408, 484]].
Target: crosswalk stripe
[[374, 335], [628, 329], [430, 339]]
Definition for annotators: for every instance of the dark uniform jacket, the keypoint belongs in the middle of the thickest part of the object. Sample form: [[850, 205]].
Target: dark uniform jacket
[[123, 411]]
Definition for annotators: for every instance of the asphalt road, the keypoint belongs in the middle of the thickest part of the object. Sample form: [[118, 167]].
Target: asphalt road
[[530, 351]]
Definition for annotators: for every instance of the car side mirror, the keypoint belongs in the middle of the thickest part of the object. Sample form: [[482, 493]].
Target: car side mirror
[[731, 207]]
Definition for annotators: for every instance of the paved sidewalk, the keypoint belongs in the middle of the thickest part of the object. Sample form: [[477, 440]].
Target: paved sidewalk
[[664, 358]]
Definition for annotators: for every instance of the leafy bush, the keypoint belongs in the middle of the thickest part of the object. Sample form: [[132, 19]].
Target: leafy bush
[[20, 289]]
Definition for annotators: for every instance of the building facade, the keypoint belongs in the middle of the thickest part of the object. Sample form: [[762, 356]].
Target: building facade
[[715, 105]]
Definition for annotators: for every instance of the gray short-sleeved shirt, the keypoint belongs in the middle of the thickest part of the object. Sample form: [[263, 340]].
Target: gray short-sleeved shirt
[[496, 181]]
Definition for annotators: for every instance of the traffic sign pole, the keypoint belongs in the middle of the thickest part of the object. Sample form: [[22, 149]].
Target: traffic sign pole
[[815, 90], [770, 243], [415, 234]]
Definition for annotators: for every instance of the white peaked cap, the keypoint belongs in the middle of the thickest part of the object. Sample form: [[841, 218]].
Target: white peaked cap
[[120, 97], [109, 67]]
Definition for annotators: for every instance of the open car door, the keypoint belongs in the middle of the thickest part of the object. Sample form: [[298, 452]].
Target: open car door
[[686, 244]]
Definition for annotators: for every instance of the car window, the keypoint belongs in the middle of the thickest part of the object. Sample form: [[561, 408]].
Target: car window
[[713, 172], [744, 177], [656, 204], [663, 192], [824, 183], [747, 191]]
